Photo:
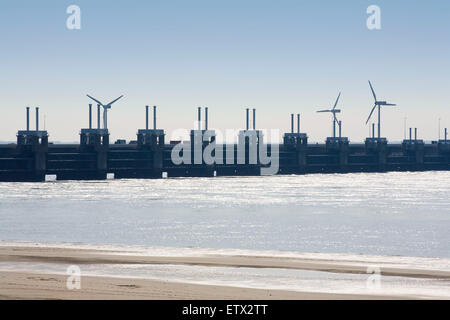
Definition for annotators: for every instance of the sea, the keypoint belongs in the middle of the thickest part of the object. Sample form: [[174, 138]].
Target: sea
[[388, 214]]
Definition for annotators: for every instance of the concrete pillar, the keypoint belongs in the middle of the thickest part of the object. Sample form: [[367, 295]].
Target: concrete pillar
[[35, 149], [420, 153], [292, 123], [28, 118], [343, 155], [302, 150], [382, 156], [102, 161], [101, 149], [40, 151], [378, 147], [339, 147], [198, 145], [157, 153], [246, 119], [254, 119], [37, 118], [83, 139]]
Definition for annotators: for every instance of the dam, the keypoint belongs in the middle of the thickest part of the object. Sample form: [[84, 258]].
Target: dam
[[34, 158]]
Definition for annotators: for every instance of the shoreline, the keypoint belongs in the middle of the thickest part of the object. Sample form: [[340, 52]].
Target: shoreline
[[37, 286], [27, 271]]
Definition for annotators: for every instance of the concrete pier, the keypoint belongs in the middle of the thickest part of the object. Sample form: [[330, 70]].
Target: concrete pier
[[242, 159], [33, 145], [339, 146], [32, 157], [295, 150], [444, 145], [32, 160], [246, 153], [92, 141], [378, 147], [414, 149], [151, 141], [27, 160], [200, 162], [143, 160]]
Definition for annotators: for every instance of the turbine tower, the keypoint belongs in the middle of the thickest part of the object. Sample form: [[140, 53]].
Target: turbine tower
[[378, 104], [334, 111], [105, 109]]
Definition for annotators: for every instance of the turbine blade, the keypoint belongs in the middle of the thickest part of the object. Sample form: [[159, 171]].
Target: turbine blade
[[324, 111], [114, 100], [390, 104], [335, 104], [374, 95], [335, 119], [371, 112], [95, 100]]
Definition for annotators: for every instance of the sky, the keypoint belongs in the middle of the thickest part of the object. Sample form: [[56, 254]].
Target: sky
[[280, 57]]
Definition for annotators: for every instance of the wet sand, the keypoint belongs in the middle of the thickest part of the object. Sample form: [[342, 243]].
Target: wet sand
[[42, 285], [19, 285]]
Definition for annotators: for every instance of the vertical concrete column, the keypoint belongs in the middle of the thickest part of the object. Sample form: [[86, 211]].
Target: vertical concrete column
[[157, 154], [101, 147], [343, 155], [302, 149], [102, 161], [292, 123], [28, 118], [420, 154], [382, 155], [40, 151]]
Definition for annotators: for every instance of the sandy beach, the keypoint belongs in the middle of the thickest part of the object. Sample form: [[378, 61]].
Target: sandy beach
[[42, 283], [15, 285]]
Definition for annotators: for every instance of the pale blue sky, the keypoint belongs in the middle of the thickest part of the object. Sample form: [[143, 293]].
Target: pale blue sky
[[278, 56]]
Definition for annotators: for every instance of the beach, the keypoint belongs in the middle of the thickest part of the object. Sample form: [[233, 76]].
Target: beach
[[38, 271], [21, 285], [306, 237]]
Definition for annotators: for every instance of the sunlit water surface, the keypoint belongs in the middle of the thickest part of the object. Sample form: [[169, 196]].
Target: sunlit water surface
[[377, 213]]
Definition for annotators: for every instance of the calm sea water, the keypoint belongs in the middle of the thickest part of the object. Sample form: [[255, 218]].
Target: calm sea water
[[378, 213]]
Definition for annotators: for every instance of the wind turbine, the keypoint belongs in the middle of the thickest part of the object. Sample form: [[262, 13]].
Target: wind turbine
[[378, 104], [334, 111], [105, 109]]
